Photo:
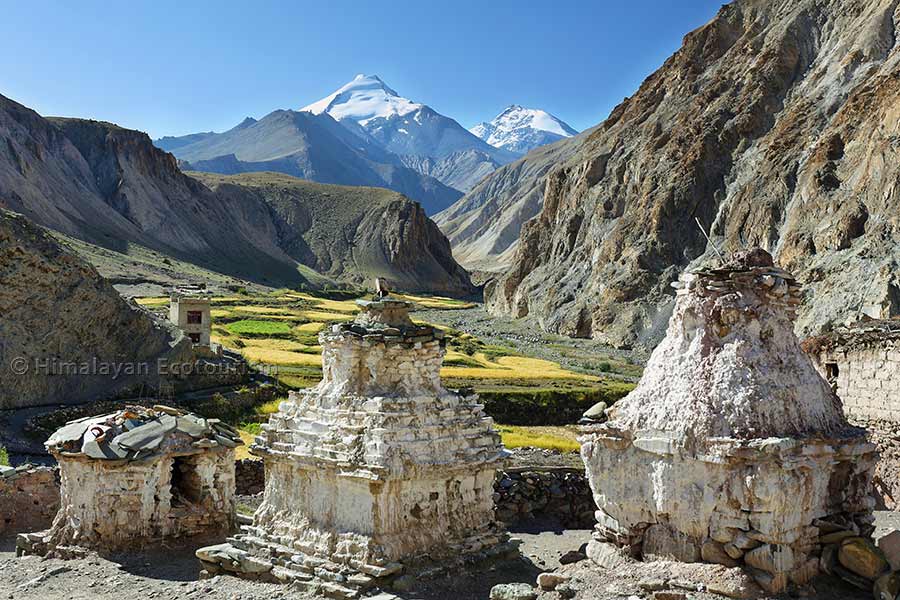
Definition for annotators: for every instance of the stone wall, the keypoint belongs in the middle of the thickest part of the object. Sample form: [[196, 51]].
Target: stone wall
[[29, 498], [249, 477], [561, 494]]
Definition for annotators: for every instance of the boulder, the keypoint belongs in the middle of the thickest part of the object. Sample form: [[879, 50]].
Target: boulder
[[860, 556], [890, 547], [771, 558], [549, 581], [887, 587], [596, 413], [513, 591], [571, 557], [714, 552], [606, 555]]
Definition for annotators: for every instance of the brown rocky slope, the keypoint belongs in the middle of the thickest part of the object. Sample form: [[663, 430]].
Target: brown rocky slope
[[63, 327], [775, 125], [111, 187], [351, 233]]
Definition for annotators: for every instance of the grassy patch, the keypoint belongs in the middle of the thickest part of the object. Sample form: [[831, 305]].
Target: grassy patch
[[513, 367], [244, 509], [258, 327], [152, 302], [550, 438], [271, 356], [4, 457], [243, 452], [437, 302]]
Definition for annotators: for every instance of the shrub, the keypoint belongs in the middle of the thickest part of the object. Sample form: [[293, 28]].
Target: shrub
[[467, 345], [4, 457], [251, 428]]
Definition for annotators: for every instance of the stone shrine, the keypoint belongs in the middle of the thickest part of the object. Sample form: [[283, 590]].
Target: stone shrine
[[732, 449], [136, 477], [376, 471]]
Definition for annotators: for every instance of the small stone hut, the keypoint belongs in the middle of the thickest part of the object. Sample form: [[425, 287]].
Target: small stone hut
[[732, 449], [136, 477], [376, 471]]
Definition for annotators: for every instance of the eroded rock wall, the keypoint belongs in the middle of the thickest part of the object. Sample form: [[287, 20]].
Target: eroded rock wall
[[775, 125], [60, 322]]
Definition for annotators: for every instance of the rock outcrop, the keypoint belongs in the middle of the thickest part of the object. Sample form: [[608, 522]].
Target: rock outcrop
[[774, 125], [66, 336], [484, 225], [111, 187]]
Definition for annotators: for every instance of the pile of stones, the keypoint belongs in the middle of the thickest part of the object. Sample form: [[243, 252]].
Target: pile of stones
[[849, 553]]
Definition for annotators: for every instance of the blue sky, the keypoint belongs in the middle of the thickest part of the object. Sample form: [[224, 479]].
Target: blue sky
[[171, 68]]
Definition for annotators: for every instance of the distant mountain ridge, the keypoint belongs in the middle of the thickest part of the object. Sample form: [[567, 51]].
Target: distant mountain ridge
[[111, 187], [312, 147], [520, 130]]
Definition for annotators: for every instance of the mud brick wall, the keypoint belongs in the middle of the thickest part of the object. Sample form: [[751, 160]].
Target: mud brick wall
[[867, 380], [29, 498]]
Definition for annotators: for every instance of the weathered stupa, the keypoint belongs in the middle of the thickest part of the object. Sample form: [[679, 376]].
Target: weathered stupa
[[732, 449], [136, 477], [376, 471]]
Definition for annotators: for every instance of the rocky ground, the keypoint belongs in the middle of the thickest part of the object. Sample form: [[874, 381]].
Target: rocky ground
[[172, 573]]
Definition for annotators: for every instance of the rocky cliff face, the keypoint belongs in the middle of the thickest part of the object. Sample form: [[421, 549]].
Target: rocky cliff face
[[774, 125], [111, 187], [483, 226], [63, 328]]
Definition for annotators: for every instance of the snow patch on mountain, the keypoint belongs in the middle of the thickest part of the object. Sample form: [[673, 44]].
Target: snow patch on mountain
[[365, 98], [519, 129]]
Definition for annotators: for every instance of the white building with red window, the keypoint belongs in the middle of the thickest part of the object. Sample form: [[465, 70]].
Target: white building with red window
[[189, 310]]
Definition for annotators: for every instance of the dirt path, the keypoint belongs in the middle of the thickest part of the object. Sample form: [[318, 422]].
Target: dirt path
[[171, 573]]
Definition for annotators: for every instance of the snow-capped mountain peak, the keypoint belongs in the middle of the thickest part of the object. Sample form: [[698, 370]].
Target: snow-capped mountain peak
[[418, 135], [364, 98], [519, 129]]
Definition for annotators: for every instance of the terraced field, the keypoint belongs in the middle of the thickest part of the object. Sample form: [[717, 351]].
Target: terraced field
[[279, 332]]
